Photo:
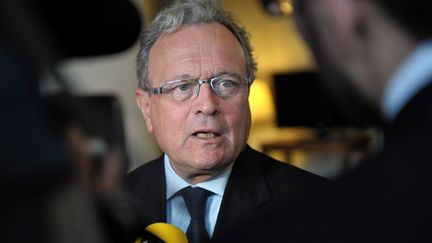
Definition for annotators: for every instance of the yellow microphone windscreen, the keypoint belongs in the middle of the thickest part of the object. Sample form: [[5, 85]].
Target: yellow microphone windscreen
[[166, 232]]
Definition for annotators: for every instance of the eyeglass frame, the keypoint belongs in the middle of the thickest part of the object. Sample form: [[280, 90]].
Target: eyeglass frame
[[159, 90]]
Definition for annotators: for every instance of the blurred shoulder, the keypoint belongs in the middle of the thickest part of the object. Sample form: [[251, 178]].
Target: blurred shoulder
[[146, 170]]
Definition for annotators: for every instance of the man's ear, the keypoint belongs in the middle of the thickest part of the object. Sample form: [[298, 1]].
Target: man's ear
[[348, 19], [144, 103]]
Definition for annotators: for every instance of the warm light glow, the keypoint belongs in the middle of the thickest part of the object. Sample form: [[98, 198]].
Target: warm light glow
[[278, 47], [286, 7], [261, 102]]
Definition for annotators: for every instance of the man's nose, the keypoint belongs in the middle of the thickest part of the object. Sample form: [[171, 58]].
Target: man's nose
[[207, 101]]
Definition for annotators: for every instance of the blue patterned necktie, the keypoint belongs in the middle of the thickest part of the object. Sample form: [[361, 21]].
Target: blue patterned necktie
[[195, 199]]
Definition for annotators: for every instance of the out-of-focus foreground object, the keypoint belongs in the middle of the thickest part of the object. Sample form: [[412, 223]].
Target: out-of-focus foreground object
[[45, 198]]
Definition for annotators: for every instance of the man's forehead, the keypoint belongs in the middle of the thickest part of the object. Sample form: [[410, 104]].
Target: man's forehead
[[198, 34], [197, 55]]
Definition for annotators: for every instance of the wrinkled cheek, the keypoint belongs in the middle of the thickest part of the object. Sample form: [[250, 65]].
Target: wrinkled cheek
[[239, 138], [245, 124], [167, 139]]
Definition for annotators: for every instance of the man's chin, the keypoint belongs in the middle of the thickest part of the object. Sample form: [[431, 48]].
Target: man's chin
[[353, 107], [206, 165]]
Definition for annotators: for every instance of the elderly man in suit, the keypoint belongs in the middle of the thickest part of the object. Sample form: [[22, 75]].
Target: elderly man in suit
[[195, 69]]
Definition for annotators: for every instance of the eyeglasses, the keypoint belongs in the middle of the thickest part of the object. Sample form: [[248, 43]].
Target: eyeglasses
[[224, 86]]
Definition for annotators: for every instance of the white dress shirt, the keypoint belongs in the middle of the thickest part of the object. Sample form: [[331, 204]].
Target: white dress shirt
[[177, 213], [413, 74]]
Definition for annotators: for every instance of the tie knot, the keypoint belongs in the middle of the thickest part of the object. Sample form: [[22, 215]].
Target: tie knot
[[195, 199]]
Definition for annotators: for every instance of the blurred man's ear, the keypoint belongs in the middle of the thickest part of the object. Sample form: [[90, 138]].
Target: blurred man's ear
[[143, 102], [348, 20]]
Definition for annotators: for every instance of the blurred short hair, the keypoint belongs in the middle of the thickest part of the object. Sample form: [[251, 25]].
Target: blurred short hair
[[414, 16]]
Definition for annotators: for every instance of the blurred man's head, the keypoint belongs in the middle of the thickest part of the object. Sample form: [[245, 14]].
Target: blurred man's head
[[360, 43], [195, 67]]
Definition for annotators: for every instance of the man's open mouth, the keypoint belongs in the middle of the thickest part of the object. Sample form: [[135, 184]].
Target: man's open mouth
[[206, 134]]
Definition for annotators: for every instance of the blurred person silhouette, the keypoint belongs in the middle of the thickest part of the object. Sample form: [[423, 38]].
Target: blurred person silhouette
[[47, 195], [195, 68], [380, 51]]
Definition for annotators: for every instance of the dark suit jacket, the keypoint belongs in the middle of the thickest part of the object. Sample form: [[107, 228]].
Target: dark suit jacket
[[388, 198], [257, 182]]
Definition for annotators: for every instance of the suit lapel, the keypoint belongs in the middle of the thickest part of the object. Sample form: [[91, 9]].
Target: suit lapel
[[152, 193], [245, 192]]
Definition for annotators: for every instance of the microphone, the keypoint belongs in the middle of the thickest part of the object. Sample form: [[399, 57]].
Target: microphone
[[163, 232]]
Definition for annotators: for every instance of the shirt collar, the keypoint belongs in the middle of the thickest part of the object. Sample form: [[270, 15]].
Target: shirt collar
[[175, 183], [412, 75]]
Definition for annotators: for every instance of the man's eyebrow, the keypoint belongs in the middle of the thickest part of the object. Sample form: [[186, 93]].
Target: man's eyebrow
[[187, 76], [182, 76], [226, 73]]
